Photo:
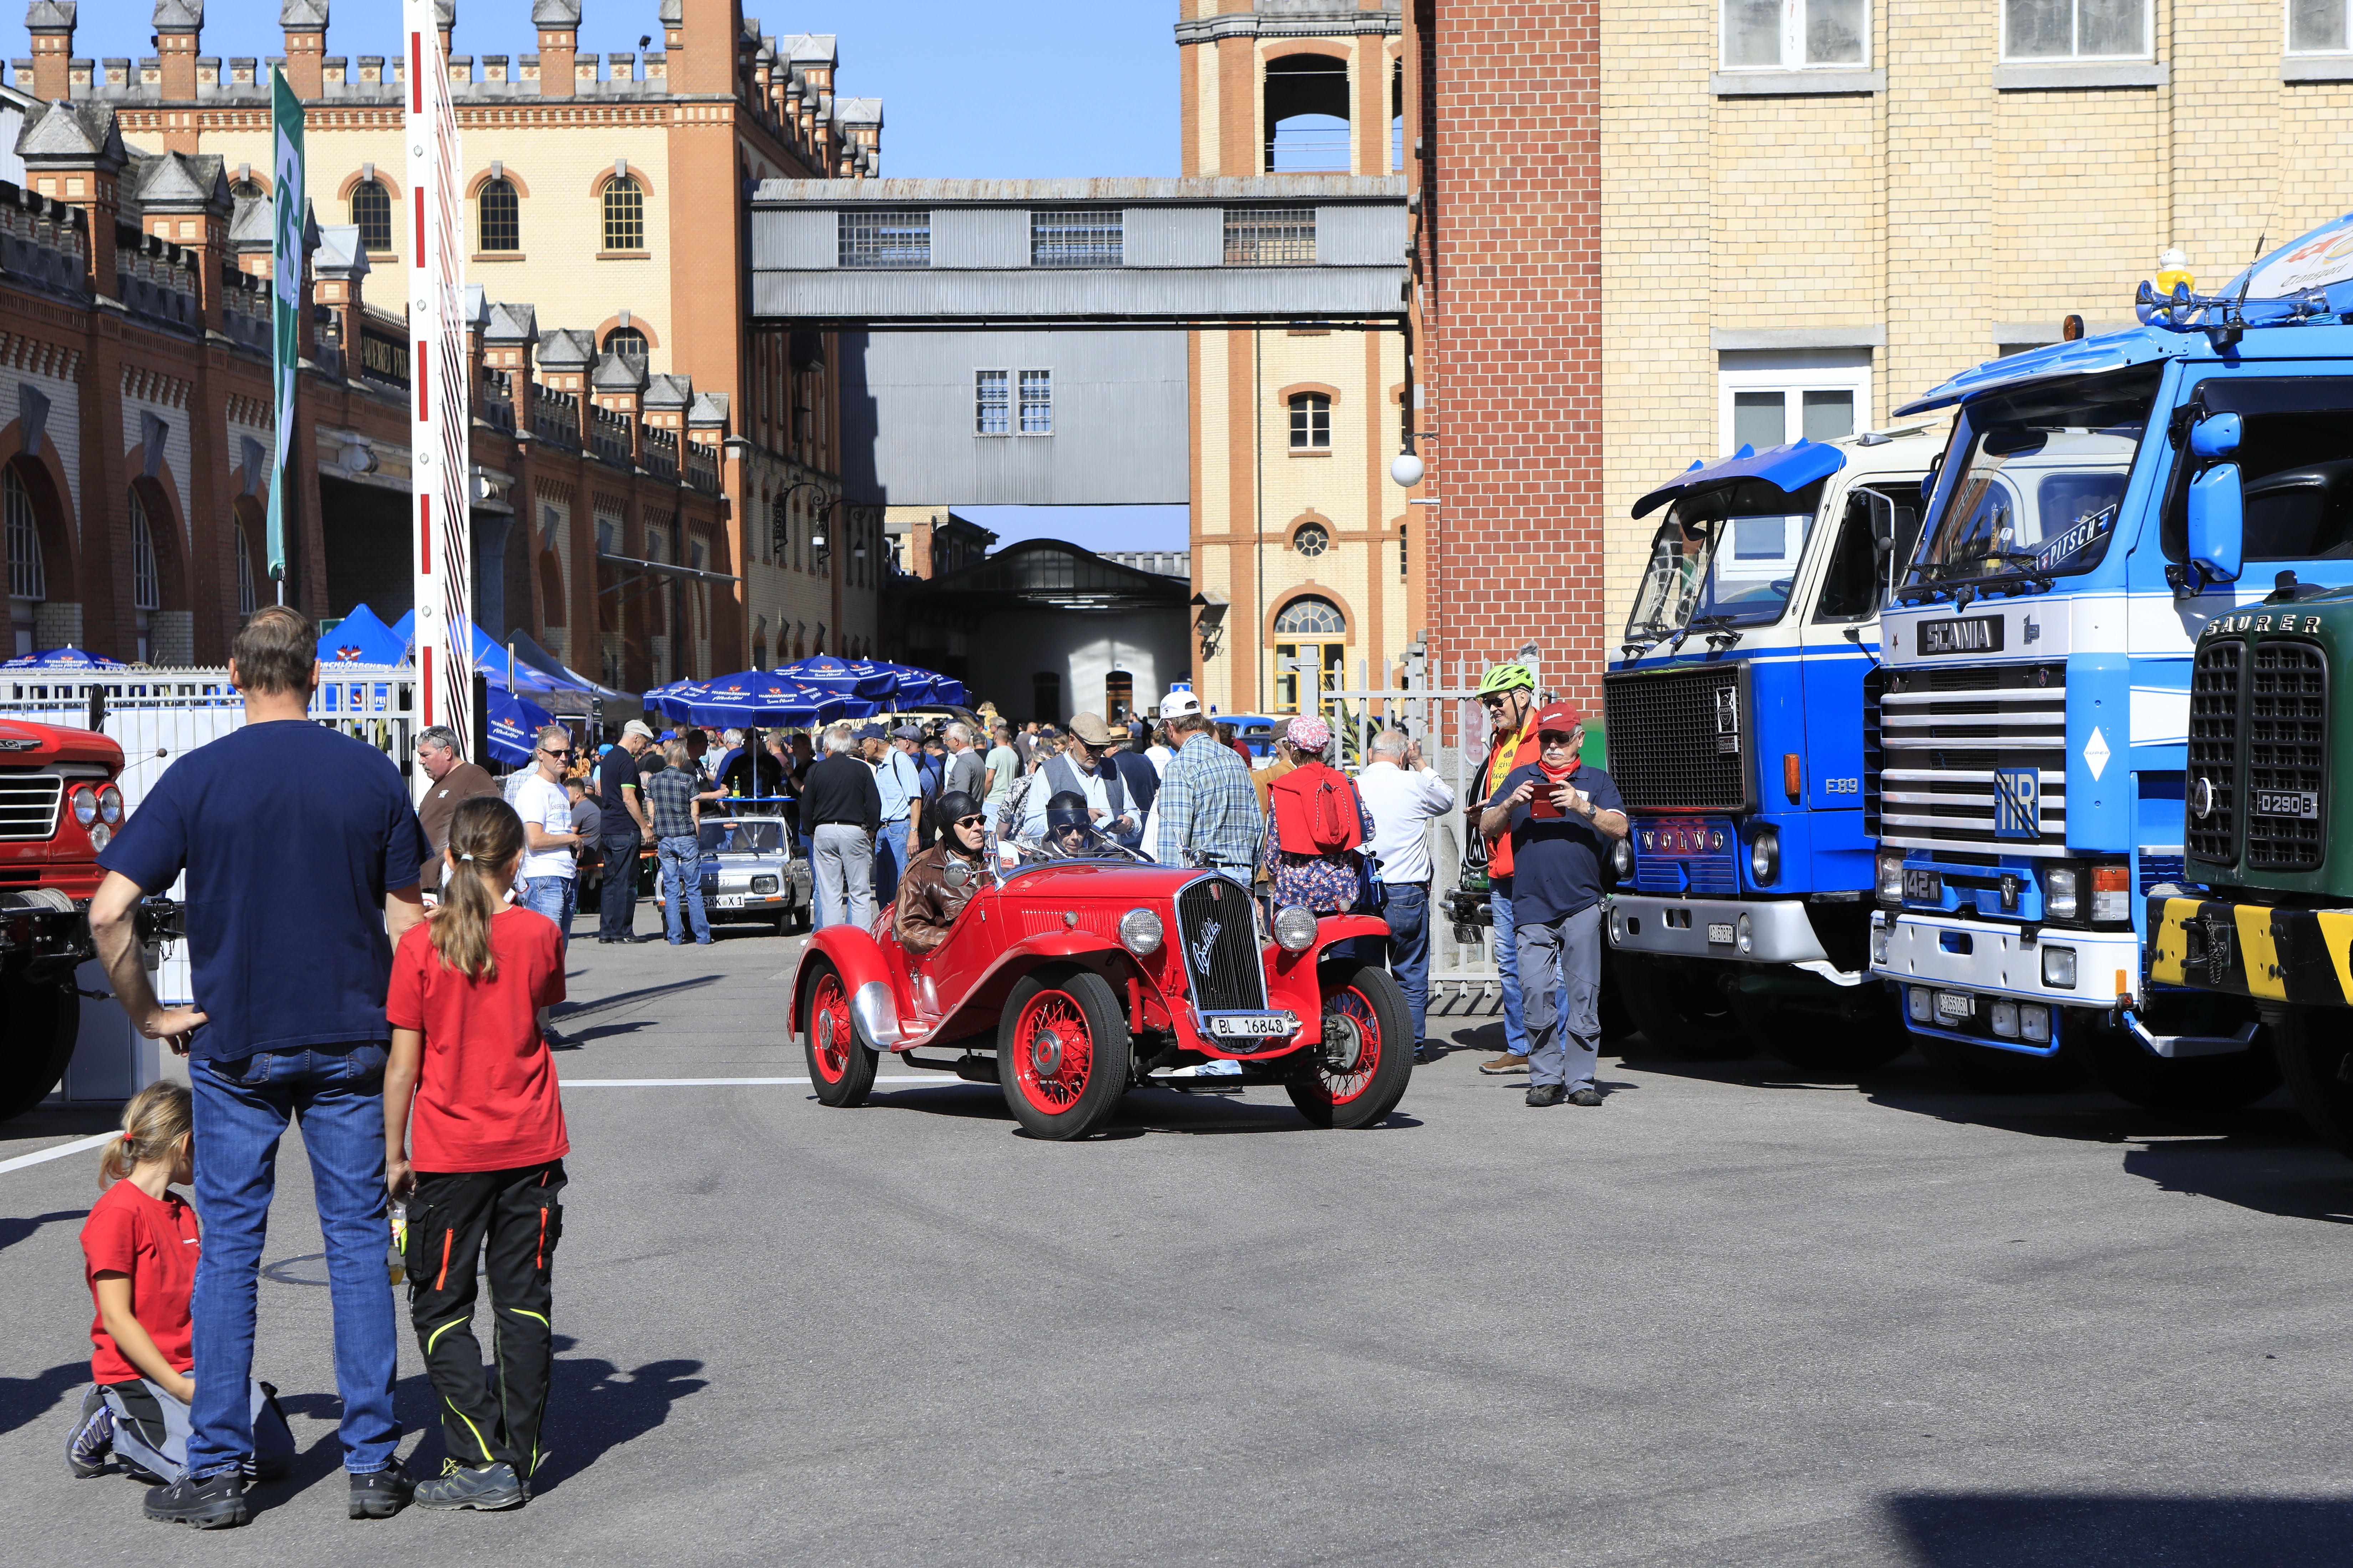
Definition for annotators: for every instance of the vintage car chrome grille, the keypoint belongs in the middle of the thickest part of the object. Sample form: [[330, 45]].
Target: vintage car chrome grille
[[1975, 760], [2214, 750], [28, 805], [2288, 755], [1677, 738], [1220, 931]]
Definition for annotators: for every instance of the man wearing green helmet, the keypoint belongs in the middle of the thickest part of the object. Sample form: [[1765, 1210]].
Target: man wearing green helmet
[[1508, 692]]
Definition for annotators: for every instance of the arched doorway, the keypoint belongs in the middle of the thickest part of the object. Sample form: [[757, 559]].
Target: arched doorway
[[164, 630], [1312, 632]]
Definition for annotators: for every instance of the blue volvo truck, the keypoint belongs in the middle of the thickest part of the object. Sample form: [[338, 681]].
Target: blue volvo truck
[[1735, 708], [2099, 504]]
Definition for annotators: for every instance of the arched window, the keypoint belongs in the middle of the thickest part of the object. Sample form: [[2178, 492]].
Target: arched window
[[1313, 644], [1306, 114], [244, 574], [245, 190], [1311, 423], [1313, 539], [629, 342], [28, 583], [146, 592], [372, 210], [551, 587], [499, 217], [625, 214], [1311, 617]]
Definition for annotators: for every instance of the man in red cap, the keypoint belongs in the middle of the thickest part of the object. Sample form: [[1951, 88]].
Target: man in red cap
[[1563, 818]]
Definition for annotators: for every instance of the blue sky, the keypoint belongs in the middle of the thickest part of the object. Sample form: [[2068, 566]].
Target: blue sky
[[1051, 89]]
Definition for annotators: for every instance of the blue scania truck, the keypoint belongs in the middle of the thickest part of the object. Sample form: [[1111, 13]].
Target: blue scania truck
[[2098, 504], [1735, 709]]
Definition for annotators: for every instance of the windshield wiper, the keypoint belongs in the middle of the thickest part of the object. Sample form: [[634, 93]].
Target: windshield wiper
[[1725, 634], [1636, 644]]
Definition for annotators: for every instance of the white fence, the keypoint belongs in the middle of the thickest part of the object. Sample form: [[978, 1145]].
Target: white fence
[[158, 716]]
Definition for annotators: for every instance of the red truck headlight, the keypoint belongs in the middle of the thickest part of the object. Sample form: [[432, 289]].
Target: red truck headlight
[[85, 805], [110, 806]]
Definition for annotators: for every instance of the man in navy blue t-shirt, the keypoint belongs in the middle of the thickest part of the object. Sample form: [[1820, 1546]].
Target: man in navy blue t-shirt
[[301, 852], [627, 827], [1564, 817]]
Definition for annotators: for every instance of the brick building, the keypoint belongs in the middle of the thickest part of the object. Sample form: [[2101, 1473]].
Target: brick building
[[625, 407]]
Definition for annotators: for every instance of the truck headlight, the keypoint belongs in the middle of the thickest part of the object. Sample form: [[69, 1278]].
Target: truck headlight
[[1765, 856], [1621, 857], [2034, 1024], [2059, 901], [100, 836], [1294, 928], [1747, 938], [2059, 967], [2005, 1020], [1891, 876], [110, 806], [1918, 1002], [1140, 931], [1880, 937], [85, 805]]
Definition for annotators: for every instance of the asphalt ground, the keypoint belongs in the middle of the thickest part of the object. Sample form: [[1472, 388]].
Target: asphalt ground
[[1731, 1317]]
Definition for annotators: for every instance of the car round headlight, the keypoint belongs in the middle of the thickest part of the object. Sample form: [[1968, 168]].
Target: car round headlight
[[85, 805], [1765, 856], [1294, 928], [1140, 931], [101, 835], [110, 804]]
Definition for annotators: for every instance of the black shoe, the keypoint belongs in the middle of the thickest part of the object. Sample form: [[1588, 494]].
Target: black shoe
[[1546, 1094], [1429, 1055], [1588, 1095], [216, 1503], [487, 1490], [380, 1494]]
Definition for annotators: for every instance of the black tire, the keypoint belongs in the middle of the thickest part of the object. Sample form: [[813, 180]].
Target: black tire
[[1687, 1021], [2126, 1068], [2313, 1046], [1822, 1043], [1363, 1008], [841, 1065], [1052, 1012], [1987, 1069], [43, 1023]]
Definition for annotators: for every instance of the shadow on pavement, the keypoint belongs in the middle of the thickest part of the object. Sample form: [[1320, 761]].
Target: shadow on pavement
[[593, 1406], [27, 1399], [14, 1230], [1963, 1530], [1140, 1112], [571, 1010]]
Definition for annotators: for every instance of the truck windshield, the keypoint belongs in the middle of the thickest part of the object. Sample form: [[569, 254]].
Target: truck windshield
[[2040, 473], [1724, 559]]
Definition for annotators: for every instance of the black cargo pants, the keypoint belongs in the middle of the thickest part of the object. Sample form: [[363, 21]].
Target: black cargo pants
[[452, 1218]]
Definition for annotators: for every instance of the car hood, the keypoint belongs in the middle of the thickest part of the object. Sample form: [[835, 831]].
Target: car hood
[[1082, 879]]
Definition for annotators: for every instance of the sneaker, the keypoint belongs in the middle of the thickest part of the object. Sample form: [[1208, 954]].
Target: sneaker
[[1588, 1095], [89, 1450], [486, 1490], [216, 1503], [1510, 1061], [1546, 1094], [380, 1494], [555, 1039]]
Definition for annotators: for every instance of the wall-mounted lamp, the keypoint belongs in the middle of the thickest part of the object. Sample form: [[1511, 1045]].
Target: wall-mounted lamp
[[1210, 622]]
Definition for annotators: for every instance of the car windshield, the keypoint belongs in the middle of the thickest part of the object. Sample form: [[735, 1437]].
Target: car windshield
[[747, 835], [2040, 481], [1726, 558]]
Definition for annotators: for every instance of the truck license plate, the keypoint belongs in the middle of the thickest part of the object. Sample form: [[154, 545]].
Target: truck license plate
[[1719, 930], [1955, 1004], [1923, 887], [731, 900], [2299, 802], [1250, 1025]]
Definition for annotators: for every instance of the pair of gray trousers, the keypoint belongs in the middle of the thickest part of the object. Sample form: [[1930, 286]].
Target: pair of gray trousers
[[1562, 1046], [841, 856]]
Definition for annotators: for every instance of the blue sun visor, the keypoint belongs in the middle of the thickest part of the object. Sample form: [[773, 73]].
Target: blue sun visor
[[1791, 467]]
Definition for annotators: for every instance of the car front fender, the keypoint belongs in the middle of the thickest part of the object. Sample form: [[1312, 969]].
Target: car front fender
[[1290, 977], [866, 975]]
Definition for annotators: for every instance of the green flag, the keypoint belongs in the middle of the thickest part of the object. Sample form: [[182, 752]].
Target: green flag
[[287, 208]]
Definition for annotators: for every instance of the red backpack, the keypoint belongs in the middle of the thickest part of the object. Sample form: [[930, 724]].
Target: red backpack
[[1315, 811]]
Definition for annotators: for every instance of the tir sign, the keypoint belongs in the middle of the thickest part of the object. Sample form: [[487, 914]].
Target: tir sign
[[2017, 802]]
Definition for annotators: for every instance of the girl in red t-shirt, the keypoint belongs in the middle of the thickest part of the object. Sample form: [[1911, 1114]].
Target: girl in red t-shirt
[[474, 1143]]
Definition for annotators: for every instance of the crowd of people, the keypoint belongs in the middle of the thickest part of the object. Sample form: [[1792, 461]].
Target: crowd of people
[[413, 1043]]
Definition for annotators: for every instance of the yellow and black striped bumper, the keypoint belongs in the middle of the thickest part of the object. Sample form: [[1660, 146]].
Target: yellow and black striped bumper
[[2254, 950]]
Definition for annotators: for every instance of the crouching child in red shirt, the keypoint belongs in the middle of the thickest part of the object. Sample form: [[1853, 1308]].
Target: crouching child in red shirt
[[139, 1247], [479, 1154]]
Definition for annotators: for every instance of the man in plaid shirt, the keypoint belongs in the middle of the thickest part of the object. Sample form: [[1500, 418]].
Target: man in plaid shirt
[[1206, 804], [670, 796]]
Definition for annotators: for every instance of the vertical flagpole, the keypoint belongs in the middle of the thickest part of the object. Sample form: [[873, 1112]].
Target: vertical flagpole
[[288, 206], [442, 414]]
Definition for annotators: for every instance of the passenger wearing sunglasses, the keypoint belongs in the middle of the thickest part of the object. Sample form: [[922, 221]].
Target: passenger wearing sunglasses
[[941, 880]]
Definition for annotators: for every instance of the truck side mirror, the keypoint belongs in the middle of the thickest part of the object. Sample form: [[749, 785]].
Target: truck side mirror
[[2217, 515], [2217, 436]]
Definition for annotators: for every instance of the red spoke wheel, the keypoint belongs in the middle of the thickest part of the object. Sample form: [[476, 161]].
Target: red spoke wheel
[[1359, 1073], [841, 1065], [1062, 1055]]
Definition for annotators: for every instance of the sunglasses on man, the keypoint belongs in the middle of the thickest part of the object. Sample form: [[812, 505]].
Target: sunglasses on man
[[555, 751], [970, 821]]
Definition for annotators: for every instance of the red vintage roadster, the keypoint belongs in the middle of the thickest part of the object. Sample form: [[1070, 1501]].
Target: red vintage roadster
[[1071, 980]]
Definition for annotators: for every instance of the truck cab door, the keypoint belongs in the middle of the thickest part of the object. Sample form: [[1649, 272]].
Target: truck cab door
[[1873, 529]]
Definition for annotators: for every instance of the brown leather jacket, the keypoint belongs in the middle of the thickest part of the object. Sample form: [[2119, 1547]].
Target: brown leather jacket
[[927, 906]]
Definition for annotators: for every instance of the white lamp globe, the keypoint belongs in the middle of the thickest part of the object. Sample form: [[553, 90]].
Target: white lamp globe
[[1407, 469]]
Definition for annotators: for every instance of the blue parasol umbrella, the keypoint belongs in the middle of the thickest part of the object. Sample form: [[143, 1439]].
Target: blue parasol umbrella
[[841, 677], [63, 659], [914, 685], [362, 637], [948, 689], [752, 697], [515, 725]]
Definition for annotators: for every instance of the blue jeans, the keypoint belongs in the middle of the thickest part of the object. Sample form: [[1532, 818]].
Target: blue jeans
[[1507, 965], [681, 884], [889, 861], [1405, 907], [242, 1105], [552, 896]]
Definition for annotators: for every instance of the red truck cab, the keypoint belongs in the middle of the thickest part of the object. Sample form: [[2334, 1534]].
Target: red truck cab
[[59, 804]]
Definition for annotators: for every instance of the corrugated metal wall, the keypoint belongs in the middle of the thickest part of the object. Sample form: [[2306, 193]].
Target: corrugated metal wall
[[980, 236], [1360, 237], [1174, 237], [1120, 419], [1187, 293], [795, 238]]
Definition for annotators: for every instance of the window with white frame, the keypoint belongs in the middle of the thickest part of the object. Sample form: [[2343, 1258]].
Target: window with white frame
[[1768, 399], [1790, 35], [2317, 26], [2075, 29], [992, 403], [1037, 403]]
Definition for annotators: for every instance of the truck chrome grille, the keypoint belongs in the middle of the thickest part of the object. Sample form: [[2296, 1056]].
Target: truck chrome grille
[[2288, 753], [1974, 760], [1678, 738], [28, 805], [2214, 680], [1219, 929]]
